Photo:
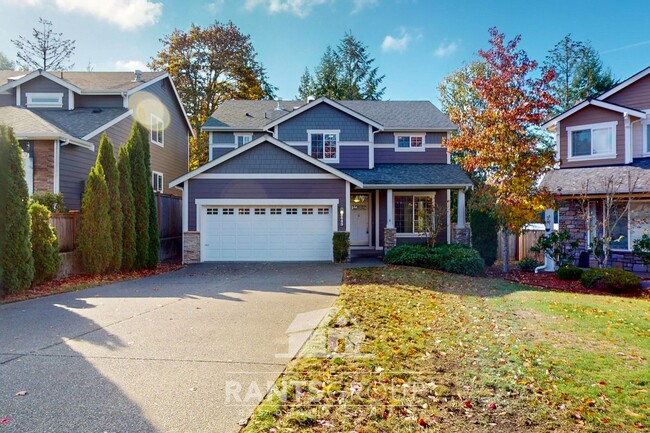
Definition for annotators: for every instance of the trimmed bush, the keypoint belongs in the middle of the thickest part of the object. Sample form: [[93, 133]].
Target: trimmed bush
[[484, 235], [153, 248], [106, 158], [341, 246], [95, 239], [128, 211], [45, 246], [613, 280], [16, 261], [458, 259], [53, 202], [410, 255], [141, 185], [529, 264], [571, 273]]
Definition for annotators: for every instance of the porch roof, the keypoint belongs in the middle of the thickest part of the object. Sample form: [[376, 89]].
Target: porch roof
[[385, 176]]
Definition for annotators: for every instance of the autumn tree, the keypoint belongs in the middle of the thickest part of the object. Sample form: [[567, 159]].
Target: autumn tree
[[579, 73], [498, 118], [209, 66], [346, 72], [5, 63], [106, 158], [128, 210], [47, 50]]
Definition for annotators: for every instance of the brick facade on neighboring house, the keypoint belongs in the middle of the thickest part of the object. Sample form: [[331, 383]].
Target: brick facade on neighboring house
[[43, 166]]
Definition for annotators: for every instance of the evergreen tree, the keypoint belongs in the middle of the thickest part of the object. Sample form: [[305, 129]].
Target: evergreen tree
[[141, 185], [45, 246], [306, 88], [106, 158], [484, 235], [16, 261], [128, 211], [95, 239], [153, 249]]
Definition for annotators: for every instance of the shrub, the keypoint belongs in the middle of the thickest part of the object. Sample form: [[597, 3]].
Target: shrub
[[45, 246], [128, 211], [141, 185], [613, 280], [557, 245], [53, 202], [529, 264], [642, 248], [341, 246], [106, 158], [484, 235], [571, 273], [95, 241], [454, 258], [409, 255], [16, 261]]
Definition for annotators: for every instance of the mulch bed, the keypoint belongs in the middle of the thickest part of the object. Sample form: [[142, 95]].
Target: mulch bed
[[79, 282]]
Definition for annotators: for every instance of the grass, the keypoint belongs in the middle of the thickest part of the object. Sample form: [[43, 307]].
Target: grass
[[459, 354]]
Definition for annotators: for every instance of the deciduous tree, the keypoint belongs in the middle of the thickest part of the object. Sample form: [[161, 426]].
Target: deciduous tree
[[106, 158], [210, 65], [47, 50]]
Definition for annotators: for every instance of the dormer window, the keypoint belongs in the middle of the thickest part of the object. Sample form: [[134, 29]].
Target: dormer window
[[323, 145], [44, 100]]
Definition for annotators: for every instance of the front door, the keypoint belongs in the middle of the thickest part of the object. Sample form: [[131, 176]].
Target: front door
[[360, 219]]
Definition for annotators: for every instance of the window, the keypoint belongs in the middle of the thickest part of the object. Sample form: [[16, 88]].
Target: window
[[626, 228], [212, 211], [323, 211], [646, 137], [276, 211], [260, 211], [323, 145], [592, 141], [244, 211], [157, 181], [404, 142], [292, 211], [44, 100], [412, 212], [241, 139], [157, 130], [307, 211], [229, 211]]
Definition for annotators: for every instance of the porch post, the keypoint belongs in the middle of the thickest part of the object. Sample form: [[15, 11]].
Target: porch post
[[460, 221], [390, 234]]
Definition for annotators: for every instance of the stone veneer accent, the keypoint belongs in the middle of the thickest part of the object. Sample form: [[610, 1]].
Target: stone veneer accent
[[390, 239], [461, 236], [191, 247], [43, 166], [572, 221]]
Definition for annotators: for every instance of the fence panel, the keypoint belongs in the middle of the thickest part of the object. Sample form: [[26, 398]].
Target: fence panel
[[170, 223], [67, 228]]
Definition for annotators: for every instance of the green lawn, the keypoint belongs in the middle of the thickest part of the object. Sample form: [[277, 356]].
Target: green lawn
[[450, 353]]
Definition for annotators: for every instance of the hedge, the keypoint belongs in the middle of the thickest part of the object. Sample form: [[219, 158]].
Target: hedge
[[454, 258]]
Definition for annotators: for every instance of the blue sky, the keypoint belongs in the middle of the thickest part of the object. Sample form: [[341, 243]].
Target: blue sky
[[416, 43]]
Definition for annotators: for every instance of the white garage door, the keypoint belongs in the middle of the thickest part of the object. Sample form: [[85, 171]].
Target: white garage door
[[266, 233]]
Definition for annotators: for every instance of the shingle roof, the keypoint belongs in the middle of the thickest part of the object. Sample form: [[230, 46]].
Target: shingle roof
[[593, 180], [93, 81], [412, 174], [403, 115], [80, 121], [24, 121]]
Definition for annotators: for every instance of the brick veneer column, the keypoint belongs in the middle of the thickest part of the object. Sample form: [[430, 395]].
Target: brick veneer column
[[191, 247], [43, 166]]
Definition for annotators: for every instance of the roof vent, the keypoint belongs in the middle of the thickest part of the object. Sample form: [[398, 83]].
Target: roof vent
[[279, 106], [310, 98], [137, 76]]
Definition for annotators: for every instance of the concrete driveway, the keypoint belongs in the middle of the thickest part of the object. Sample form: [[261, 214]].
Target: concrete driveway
[[189, 351]]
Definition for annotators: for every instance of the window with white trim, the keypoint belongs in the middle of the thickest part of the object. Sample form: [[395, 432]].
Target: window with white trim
[[241, 139], [323, 145], [412, 211], [592, 141], [44, 100], [646, 136], [409, 142], [212, 211], [157, 181], [157, 130]]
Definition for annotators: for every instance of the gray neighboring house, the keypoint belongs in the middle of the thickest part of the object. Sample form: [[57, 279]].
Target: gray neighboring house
[[284, 175], [59, 118]]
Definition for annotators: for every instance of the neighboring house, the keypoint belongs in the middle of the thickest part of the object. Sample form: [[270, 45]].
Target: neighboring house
[[283, 176], [59, 118], [603, 145]]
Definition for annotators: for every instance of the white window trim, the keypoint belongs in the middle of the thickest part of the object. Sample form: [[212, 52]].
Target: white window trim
[[160, 181], [155, 120], [395, 194], [630, 241], [31, 96], [591, 127], [237, 135], [410, 135], [336, 132]]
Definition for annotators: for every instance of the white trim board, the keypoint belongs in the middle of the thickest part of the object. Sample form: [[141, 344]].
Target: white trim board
[[634, 78], [596, 103], [266, 176]]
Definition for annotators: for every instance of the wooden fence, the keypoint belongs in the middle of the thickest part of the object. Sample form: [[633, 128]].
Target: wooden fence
[[519, 245], [67, 229]]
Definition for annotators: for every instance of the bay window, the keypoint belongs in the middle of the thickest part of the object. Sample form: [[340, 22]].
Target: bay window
[[593, 141], [413, 212]]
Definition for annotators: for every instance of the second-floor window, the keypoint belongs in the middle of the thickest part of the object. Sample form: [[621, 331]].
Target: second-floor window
[[44, 100], [323, 145], [241, 139], [409, 141], [157, 181], [592, 141], [157, 130]]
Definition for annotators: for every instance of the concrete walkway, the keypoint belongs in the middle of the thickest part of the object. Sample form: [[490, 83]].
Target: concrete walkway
[[189, 351]]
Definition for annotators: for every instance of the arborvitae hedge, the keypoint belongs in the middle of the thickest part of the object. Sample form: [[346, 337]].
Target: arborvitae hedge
[[128, 211], [153, 250], [106, 158], [95, 238], [484, 235], [16, 262], [141, 183], [45, 246]]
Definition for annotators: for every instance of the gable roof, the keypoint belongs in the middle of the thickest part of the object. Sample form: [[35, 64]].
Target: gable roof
[[244, 115], [596, 103], [634, 78], [81, 121], [264, 139]]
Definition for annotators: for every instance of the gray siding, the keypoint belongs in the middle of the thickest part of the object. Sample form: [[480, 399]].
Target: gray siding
[[266, 158], [8, 99], [323, 116], [75, 163], [352, 157], [42, 84], [223, 138], [98, 101], [429, 156], [220, 151], [262, 189]]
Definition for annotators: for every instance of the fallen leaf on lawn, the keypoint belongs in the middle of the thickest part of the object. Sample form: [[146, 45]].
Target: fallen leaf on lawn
[[638, 425], [492, 406], [468, 404], [422, 423], [21, 393], [635, 415]]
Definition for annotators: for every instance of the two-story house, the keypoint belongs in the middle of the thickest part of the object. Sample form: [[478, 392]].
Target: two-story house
[[59, 118], [603, 145], [284, 175]]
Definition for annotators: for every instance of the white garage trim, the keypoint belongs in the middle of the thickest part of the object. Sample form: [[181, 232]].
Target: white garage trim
[[265, 176]]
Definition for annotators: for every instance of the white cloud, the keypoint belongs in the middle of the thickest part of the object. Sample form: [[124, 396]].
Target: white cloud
[[127, 14], [446, 49], [360, 5], [302, 8], [400, 44], [215, 6], [130, 65]]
